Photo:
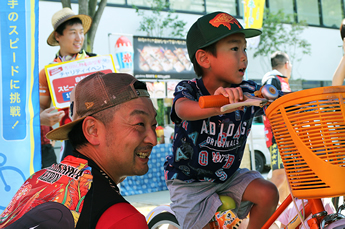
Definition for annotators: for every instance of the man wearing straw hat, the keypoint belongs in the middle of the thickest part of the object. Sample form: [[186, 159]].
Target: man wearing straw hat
[[69, 30], [113, 134]]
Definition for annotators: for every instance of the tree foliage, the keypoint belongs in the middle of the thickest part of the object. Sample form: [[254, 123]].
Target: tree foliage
[[160, 112], [155, 24], [95, 11], [281, 33]]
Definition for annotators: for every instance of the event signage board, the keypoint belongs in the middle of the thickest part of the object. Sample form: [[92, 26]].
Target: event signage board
[[121, 47], [161, 58], [20, 140], [62, 77]]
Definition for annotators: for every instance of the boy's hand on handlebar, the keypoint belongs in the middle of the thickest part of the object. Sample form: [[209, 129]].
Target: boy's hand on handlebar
[[248, 100], [232, 99], [263, 102], [235, 95]]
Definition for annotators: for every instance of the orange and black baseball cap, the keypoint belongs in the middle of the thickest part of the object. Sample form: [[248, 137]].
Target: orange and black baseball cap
[[213, 27], [96, 93]]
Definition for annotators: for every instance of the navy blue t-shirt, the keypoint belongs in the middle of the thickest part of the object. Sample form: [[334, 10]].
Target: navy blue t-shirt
[[210, 149]]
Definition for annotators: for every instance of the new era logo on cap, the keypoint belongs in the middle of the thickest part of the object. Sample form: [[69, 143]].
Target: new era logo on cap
[[224, 19], [88, 105]]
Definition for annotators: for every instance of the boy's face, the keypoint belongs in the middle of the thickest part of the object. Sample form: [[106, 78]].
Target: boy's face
[[72, 39], [231, 62]]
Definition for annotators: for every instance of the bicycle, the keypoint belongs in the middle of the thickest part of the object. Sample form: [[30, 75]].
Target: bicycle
[[309, 127], [162, 216]]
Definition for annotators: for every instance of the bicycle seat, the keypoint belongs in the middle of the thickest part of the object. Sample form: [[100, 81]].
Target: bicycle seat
[[227, 203]]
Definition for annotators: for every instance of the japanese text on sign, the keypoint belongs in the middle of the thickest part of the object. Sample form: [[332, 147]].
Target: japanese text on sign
[[63, 77], [13, 70]]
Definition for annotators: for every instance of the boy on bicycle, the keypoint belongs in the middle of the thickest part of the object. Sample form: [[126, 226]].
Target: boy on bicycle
[[208, 144]]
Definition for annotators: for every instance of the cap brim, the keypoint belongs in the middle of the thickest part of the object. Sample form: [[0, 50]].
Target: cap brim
[[61, 133], [85, 19], [248, 33]]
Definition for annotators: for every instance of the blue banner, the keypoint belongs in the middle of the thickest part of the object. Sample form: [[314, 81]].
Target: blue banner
[[20, 140]]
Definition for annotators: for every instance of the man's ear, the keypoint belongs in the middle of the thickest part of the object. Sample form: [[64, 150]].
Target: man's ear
[[201, 57], [57, 36], [91, 128]]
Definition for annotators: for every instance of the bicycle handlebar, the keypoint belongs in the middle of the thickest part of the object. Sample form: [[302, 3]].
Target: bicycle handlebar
[[268, 92], [213, 101]]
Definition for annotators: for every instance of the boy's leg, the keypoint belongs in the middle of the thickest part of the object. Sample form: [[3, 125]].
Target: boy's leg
[[201, 200], [194, 204], [279, 179], [264, 195], [235, 188]]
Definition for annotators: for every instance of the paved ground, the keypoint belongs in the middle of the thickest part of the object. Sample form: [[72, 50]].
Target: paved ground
[[146, 202]]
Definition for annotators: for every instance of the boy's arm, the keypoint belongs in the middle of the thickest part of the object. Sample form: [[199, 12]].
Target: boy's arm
[[190, 110], [187, 109]]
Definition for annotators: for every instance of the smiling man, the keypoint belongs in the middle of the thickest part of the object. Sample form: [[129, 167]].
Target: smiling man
[[69, 30], [113, 133]]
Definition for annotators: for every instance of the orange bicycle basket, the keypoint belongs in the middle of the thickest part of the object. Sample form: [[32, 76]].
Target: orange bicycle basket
[[309, 127]]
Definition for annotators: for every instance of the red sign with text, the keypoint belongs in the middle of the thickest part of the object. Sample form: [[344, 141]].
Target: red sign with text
[[63, 77]]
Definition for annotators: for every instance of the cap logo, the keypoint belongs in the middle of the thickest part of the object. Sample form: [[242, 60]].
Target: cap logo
[[89, 105], [224, 19]]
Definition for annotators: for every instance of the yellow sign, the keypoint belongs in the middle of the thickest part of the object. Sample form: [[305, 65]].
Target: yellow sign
[[253, 13]]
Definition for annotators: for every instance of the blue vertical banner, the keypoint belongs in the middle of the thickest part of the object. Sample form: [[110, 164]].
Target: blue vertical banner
[[20, 140]]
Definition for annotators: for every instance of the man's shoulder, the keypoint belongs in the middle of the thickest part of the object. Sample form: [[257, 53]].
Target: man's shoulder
[[271, 75], [126, 216]]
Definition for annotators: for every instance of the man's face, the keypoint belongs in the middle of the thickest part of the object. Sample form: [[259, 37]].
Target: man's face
[[231, 62], [72, 39], [130, 137]]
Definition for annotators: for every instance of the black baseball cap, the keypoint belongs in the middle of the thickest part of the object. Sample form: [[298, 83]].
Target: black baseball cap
[[213, 27]]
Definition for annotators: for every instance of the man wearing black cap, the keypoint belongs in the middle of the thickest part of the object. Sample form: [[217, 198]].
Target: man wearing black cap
[[113, 133], [69, 29]]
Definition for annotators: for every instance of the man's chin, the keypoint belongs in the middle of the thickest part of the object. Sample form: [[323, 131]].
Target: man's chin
[[143, 171], [77, 50]]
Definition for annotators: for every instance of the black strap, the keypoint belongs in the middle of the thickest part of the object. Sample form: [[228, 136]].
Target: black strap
[[103, 194], [275, 82]]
